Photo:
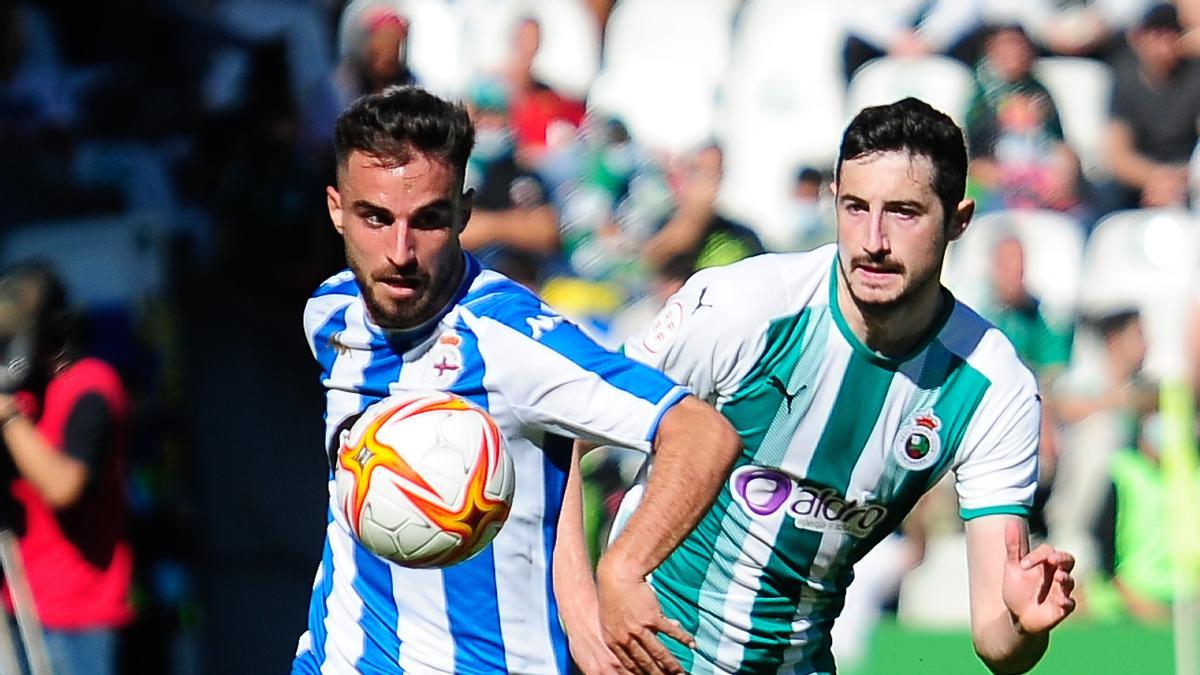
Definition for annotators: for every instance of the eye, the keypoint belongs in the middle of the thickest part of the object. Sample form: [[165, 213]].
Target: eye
[[431, 220]]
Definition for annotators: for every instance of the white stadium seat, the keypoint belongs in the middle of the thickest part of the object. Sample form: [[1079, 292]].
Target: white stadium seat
[[1054, 250], [780, 108], [435, 46], [941, 82], [1081, 89], [1148, 259]]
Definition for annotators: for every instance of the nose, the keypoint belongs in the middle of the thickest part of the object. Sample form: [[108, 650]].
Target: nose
[[400, 245], [876, 241]]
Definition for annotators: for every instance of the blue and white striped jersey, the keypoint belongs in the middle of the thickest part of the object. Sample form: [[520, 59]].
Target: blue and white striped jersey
[[542, 380]]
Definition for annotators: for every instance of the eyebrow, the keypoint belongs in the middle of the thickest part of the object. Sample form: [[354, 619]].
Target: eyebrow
[[437, 204], [889, 204]]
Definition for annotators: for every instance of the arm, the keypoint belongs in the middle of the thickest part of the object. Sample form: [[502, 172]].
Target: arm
[[694, 449], [529, 229], [573, 583], [58, 477], [1016, 596]]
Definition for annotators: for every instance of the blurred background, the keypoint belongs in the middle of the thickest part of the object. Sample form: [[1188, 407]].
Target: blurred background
[[168, 157]]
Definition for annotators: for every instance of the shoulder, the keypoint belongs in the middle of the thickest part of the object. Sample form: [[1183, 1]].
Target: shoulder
[[495, 297], [88, 375], [330, 298], [768, 283], [988, 351]]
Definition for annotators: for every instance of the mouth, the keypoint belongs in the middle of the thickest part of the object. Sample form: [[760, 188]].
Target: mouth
[[401, 288], [874, 272]]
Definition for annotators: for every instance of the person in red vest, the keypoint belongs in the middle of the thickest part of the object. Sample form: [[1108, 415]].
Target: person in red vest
[[63, 425]]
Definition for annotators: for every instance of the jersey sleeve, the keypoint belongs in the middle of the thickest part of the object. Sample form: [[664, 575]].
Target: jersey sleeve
[[706, 336], [87, 431], [998, 469], [556, 378]]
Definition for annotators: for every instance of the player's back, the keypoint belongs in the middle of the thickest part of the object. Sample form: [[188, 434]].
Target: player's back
[[839, 441]]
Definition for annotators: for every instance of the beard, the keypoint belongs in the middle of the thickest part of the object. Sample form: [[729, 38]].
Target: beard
[[887, 303], [432, 292]]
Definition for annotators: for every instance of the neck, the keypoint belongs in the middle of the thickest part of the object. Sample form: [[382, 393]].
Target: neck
[[893, 331]]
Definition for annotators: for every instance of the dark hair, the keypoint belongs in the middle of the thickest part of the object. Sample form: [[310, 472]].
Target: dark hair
[[1114, 321], [912, 125], [399, 121], [808, 174], [36, 292]]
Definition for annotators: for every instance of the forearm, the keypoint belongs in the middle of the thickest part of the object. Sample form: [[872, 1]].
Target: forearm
[[1006, 650], [57, 477], [534, 230], [695, 450], [574, 586], [683, 233]]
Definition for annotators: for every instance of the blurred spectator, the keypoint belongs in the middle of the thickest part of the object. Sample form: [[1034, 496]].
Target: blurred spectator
[[32, 95], [1089, 28], [1099, 400], [1134, 534], [65, 433], [376, 57], [908, 28], [511, 207], [810, 222], [1018, 315], [696, 229], [542, 119], [1155, 105], [634, 318], [1014, 131]]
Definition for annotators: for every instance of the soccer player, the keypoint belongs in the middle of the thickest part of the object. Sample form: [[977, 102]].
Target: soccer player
[[413, 311], [856, 381]]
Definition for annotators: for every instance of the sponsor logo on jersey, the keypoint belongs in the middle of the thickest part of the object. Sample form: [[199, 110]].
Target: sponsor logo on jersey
[[541, 324], [665, 326], [918, 445], [765, 492], [446, 360]]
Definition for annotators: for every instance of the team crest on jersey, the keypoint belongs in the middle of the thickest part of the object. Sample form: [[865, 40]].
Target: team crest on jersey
[[665, 326], [917, 445], [446, 360]]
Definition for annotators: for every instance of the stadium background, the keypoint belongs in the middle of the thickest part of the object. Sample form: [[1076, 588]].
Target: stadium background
[[170, 155]]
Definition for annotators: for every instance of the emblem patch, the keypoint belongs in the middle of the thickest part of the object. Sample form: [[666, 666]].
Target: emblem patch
[[446, 360], [918, 445], [665, 325]]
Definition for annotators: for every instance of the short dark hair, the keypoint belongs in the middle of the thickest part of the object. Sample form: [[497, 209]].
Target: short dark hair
[[912, 125], [399, 121], [1113, 321]]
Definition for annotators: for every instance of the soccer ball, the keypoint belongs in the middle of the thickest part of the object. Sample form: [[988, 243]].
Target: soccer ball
[[424, 479]]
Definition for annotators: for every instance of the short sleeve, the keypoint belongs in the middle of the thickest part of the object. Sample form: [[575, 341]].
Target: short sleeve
[[998, 466], [556, 378], [88, 430], [705, 337]]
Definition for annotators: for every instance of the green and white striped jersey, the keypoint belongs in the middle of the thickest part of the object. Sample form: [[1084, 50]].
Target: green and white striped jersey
[[840, 442]]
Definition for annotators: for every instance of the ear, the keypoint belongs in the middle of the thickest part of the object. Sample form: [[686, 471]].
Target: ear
[[333, 201], [466, 204], [961, 218]]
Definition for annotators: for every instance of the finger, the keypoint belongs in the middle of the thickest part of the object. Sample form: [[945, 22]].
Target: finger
[[1014, 541], [626, 661], [662, 657], [1066, 561], [1039, 555], [643, 661], [674, 630], [1066, 584]]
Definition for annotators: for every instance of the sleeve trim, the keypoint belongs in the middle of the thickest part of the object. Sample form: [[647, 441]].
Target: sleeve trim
[[1005, 509], [674, 396]]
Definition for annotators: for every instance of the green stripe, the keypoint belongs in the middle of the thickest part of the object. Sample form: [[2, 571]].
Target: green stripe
[[1009, 509], [855, 412], [694, 581]]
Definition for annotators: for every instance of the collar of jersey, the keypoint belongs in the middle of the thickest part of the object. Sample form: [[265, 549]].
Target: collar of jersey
[[404, 340], [891, 363]]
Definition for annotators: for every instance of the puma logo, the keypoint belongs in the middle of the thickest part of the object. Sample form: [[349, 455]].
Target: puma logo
[[777, 383], [700, 301]]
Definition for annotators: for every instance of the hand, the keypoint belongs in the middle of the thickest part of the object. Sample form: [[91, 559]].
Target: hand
[[592, 656], [1166, 186], [1037, 586], [631, 619]]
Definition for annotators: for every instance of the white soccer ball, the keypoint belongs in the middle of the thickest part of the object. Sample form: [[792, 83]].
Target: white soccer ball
[[424, 479]]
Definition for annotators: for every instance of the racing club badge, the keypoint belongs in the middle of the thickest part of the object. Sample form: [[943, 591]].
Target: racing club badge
[[917, 445]]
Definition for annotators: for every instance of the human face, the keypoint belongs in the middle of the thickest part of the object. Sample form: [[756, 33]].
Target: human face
[[1010, 55], [892, 230], [1008, 273], [1157, 49], [401, 225]]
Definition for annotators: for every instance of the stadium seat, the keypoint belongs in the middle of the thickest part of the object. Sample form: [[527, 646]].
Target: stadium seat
[[939, 81], [669, 36], [124, 264], [436, 52], [936, 594], [1149, 259], [1081, 89], [780, 108], [1054, 250], [664, 113]]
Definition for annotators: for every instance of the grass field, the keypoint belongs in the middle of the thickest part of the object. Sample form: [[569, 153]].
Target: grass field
[[1075, 649]]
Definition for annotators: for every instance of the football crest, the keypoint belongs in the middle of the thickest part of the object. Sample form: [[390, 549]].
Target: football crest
[[917, 445]]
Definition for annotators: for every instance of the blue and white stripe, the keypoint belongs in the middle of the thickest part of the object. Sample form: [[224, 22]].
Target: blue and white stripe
[[540, 377]]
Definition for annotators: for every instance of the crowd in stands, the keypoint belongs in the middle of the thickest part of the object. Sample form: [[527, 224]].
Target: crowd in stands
[[603, 183]]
